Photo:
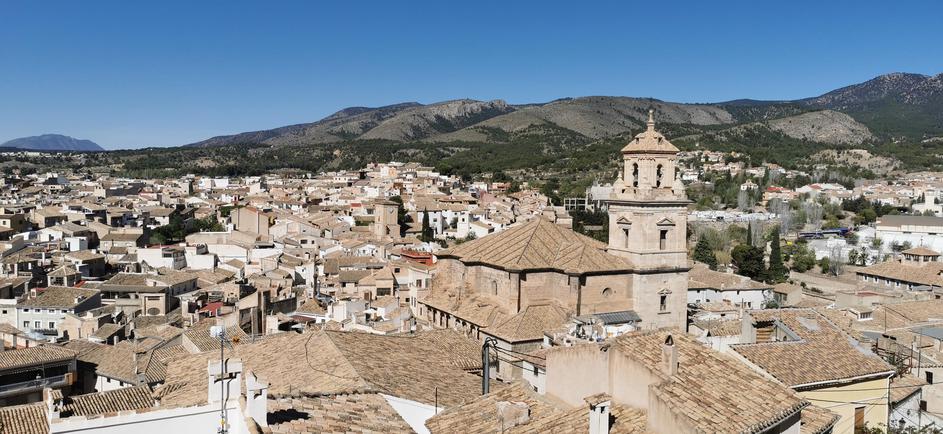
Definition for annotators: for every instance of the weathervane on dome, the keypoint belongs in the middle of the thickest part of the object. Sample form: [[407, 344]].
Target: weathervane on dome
[[651, 119]]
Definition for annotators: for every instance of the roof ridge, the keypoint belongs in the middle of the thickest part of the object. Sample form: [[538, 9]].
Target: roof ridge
[[533, 233]]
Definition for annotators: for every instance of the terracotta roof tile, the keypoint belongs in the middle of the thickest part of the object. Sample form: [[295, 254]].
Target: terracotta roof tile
[[530, 323], [823, 352], [24, 419], [714, 392], [361, 412], [539, 244], [13, 359]]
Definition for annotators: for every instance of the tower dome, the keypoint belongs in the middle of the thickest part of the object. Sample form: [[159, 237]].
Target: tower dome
[[650, 141]]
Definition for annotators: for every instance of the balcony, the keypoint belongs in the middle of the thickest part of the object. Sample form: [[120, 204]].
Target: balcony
[[55, 381]]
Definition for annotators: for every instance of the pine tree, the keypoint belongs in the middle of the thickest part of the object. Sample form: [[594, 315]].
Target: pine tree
[[704, 254], [777, 270]]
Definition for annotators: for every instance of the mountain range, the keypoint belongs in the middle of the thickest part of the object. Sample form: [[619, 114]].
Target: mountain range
[[52, 142], [886, 107]]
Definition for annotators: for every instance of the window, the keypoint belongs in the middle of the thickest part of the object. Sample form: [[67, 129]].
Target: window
[[929, 377], [859, 420], [662, 303], [25, 310], [658, 173], [37, 324], [625, 233], [607, 292], [663, 239], [535, 370], [635, 174], [52, 324], [4, 311], [26, 324], [923, 405]]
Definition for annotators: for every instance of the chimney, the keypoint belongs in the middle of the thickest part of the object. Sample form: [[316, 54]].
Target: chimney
[[256, 399], [231, 379], [669, 357], [512, 414], [53, 404], [599, 406]]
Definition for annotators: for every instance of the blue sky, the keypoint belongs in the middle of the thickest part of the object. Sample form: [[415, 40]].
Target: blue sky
[[133, 74]]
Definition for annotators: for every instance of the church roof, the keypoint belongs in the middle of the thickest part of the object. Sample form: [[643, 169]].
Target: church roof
[[650, 141], [539, 245]]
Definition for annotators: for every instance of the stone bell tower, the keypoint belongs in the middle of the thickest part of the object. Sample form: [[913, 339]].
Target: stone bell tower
[[648, 227], [385, 219]]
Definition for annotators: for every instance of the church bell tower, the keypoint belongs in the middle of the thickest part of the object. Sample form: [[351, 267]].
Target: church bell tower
[[648, 227]]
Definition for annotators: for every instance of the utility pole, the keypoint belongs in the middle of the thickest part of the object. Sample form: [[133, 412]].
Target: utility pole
[[220, 332]]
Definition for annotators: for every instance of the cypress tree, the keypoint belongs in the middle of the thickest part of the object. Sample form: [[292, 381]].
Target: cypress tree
[[427, 235], [777, 270]]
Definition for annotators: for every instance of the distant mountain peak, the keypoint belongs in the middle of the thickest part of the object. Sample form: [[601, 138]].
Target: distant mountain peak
[[52, 142], [893, 104]]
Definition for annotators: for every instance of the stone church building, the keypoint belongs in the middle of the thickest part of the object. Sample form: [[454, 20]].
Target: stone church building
[[643, 268]]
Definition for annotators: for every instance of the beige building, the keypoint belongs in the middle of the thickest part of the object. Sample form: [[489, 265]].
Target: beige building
[[643, 268], [803, 350], [648, 227], [680, 386]]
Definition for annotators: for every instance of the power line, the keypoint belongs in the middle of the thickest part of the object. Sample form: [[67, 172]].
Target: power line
[[512, 352], [511, 363]]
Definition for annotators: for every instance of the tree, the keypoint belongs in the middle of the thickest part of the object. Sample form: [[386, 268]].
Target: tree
[[852, 256], [549, 189], [865, 216], [704, 254], [836, 263], [750, 233], [814, 214], [803, 260], [427, 234], [749, 261], [825, 265], [831, 223], [852, 238], [777, 270]]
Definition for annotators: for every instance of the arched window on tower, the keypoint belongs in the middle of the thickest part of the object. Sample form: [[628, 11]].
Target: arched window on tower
[[635, 175], [494, 288], [659, 171]]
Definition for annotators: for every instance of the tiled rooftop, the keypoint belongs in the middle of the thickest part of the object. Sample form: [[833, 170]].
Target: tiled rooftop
[[822, 354], [539, 244]]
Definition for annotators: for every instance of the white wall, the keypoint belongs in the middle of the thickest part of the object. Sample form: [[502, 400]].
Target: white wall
[[414, 413], [201, 419], [754, 298]]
